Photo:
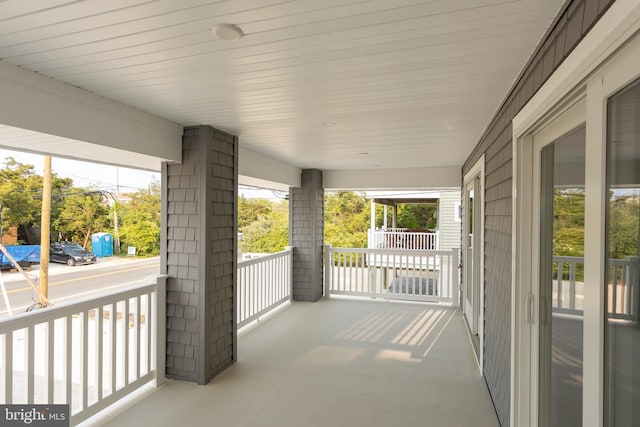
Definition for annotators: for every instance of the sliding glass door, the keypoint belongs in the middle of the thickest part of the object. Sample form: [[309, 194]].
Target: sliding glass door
[[622, 281], [576, 287], [561, 280]]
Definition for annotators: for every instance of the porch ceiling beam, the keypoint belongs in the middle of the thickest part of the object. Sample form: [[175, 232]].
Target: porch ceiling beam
[[395, 202], [41, 104], [258, 170], [385, 179]]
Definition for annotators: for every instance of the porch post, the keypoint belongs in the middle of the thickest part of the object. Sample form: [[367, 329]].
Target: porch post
[[199, 255], [394, 218], [306, 235]]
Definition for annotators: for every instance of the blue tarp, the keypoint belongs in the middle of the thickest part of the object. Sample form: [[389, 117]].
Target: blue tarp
[[24, 254]]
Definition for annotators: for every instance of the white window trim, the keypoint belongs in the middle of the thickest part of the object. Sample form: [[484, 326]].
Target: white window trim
[[602, 44]]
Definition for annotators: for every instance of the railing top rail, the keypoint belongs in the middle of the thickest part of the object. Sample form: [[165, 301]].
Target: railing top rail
[[579, 259], [264, 258], [405, 231], [568, 258], [24, 320], [399, 252]]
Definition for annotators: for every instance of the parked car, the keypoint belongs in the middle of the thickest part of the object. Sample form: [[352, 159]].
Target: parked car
[[70, 254]]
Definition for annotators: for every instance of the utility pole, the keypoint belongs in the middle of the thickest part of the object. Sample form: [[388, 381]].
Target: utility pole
[[45, 232]]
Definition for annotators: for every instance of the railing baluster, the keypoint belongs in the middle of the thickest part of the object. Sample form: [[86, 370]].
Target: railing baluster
[[138, 320], [616, 281], [69, 360], [99, 367], [114, 344], [560, 284], [572, 285], [30, 361], [50, 360], [125, 339], [8, 367], [85, 358], [149, 324]]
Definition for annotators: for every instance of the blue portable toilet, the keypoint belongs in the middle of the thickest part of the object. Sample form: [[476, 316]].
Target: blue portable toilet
[[102, 244]]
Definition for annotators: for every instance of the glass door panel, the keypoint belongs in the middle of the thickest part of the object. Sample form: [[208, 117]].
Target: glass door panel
[[469, 259], [561, 287], [622, 283]]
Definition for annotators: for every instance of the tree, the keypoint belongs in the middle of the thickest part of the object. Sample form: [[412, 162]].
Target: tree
[[250, 210], [268, 233], [346, 219], [140, 220], [568, 222], [81, 215], [624, 213], [18, 184], [417, 215]]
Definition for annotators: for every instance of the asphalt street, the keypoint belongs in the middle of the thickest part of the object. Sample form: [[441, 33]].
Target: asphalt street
[[67, 284]]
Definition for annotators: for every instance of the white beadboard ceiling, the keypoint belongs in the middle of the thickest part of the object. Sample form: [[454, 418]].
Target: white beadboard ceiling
[[331, 84]]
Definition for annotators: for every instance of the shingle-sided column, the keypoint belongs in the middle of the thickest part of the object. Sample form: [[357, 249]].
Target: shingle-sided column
[[306, 235], [199, 255]]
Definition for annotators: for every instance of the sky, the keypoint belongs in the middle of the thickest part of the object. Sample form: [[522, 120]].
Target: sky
[[105, 177]]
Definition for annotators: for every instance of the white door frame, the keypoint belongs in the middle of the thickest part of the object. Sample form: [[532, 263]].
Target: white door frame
[[604, 62], [478, 267]]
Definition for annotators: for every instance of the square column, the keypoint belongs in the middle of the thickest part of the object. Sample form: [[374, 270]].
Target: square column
[[199, 214], [306, 235]]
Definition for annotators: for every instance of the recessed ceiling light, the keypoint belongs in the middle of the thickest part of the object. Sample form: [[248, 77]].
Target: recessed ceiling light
[[227, 31]]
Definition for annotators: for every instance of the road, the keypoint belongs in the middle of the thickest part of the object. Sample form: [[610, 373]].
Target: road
[[67, 284]]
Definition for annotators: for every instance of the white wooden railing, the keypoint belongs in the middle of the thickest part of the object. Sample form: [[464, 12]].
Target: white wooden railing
[[392, 274], [623, 289], [86, 354], [402, 238], [263, 284]]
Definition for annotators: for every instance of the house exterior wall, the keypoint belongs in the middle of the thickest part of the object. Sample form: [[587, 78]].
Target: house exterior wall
[[573, 22], [447, 226], [200, 235], [306, 225]]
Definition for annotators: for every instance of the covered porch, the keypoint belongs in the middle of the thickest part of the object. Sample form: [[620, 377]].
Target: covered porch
[[337, 362]]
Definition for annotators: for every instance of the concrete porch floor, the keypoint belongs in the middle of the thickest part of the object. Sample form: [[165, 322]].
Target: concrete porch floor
[[337, 362]]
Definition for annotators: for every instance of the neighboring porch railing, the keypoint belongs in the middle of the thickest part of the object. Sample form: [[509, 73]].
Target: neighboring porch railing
[[392, 274], [263, 284], [623, 289], [402, 238], [87, 354]]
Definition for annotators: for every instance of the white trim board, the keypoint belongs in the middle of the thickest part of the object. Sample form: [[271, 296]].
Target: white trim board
[[392, 179], [258, 170], [44, 105]]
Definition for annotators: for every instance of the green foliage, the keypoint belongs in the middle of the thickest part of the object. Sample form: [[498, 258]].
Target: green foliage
[[410, 215], [267, 228], [346, 219], [624, 214], [250, 210], [18, 186], [140, 220], [568, 222], [418, 216], [81, 215], [76, 213]]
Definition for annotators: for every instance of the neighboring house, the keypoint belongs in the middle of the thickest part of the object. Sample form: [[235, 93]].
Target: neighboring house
[[445, 236], [418, 96]]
